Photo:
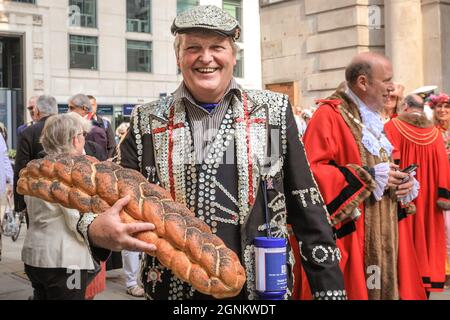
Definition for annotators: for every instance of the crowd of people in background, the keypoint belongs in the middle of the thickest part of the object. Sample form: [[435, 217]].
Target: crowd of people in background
[[426, 233], [100, 141], [97, 139], [45, 265]]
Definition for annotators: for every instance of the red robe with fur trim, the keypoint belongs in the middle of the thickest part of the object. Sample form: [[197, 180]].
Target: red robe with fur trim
[[331, 147], [416, 140], [341, 166]]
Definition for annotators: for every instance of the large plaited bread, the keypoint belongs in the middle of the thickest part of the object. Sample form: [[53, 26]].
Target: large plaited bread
[[184, 243]]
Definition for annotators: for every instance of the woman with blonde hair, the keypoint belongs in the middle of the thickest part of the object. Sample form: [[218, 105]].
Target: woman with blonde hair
[[55, 255], [395, 99], [441, 113]]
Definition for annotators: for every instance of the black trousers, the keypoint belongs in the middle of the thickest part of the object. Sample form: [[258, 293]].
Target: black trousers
[[57, 283]]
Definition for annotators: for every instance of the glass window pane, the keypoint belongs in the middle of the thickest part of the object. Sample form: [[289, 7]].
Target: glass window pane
[[83, 13], [139, 16], [239, 67], [139, 56], [183, 5], [234, 7], [83, 52]]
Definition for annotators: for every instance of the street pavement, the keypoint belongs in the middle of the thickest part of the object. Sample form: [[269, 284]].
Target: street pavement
[[14, 284]]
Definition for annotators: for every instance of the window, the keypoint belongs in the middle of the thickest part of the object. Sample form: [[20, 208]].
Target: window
[[239, 67], [25, 1], [139, 16], [265, 3], [83, 52], [234, 7], [183, 5], [83, 13], [139, 56]]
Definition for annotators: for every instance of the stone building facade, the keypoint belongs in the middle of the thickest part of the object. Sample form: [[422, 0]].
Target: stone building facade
[[306, 44]]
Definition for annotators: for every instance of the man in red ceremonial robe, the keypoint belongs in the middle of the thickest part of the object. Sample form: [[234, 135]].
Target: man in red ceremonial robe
[[350, 159], [417, 140]]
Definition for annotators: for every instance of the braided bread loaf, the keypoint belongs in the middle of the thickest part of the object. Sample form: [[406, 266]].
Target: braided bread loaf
[[184, 243]]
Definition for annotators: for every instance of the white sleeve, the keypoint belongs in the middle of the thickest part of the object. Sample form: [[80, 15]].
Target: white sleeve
[[5, 162], [72, 216], [381, 179], [412, 194]]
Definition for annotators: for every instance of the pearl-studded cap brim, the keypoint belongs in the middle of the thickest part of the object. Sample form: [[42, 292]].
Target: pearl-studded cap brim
[[206, 17]]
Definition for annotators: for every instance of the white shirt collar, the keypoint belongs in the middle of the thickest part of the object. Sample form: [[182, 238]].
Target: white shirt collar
[[373, 137]]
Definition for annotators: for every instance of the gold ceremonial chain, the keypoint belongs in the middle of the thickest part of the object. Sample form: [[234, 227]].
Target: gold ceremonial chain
[[402, 124], [429, 137], [383, 153]]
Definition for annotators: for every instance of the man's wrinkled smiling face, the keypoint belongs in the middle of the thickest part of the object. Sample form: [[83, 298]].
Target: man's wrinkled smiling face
[[206, 61]]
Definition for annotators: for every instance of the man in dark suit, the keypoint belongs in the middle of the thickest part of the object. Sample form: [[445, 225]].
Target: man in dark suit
[[80, 104], [104, 124], [95, 150], [33, 114], [29, 146]]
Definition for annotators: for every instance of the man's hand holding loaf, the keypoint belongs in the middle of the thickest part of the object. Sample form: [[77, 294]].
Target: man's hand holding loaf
[[137, 215]]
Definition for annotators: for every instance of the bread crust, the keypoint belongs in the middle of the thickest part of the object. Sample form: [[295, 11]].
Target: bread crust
[[185, 244]]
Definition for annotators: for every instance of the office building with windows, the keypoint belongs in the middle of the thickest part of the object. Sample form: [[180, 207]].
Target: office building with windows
[[120, 51]]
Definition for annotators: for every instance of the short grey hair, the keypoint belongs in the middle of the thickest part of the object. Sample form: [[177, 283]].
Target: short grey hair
[[81, 100], [177, 44], [355, 70], [413, 101], [33, 99], [47, 105], [59, 130]]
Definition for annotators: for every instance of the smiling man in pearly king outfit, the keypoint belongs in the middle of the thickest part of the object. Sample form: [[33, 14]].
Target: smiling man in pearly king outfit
[[208, 145]]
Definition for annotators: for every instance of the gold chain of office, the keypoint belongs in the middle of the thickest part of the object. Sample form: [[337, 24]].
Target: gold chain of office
[[426, 139]]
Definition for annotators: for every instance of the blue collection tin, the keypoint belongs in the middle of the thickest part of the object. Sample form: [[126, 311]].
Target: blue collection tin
[[271, 273]]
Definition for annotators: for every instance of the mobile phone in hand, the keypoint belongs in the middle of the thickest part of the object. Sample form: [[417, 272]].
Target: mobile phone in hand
[[409, 169]]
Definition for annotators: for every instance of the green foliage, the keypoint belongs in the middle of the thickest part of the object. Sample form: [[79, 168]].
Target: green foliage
[[12, 153]]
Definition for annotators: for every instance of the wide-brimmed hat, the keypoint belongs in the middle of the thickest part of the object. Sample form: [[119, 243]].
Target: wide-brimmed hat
[[425, 92], [207, 18]]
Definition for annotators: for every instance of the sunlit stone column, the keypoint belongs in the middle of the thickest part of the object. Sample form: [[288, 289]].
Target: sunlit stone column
[[404, 44]]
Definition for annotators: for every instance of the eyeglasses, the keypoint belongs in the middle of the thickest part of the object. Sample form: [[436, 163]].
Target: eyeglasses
[[84, 133]]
